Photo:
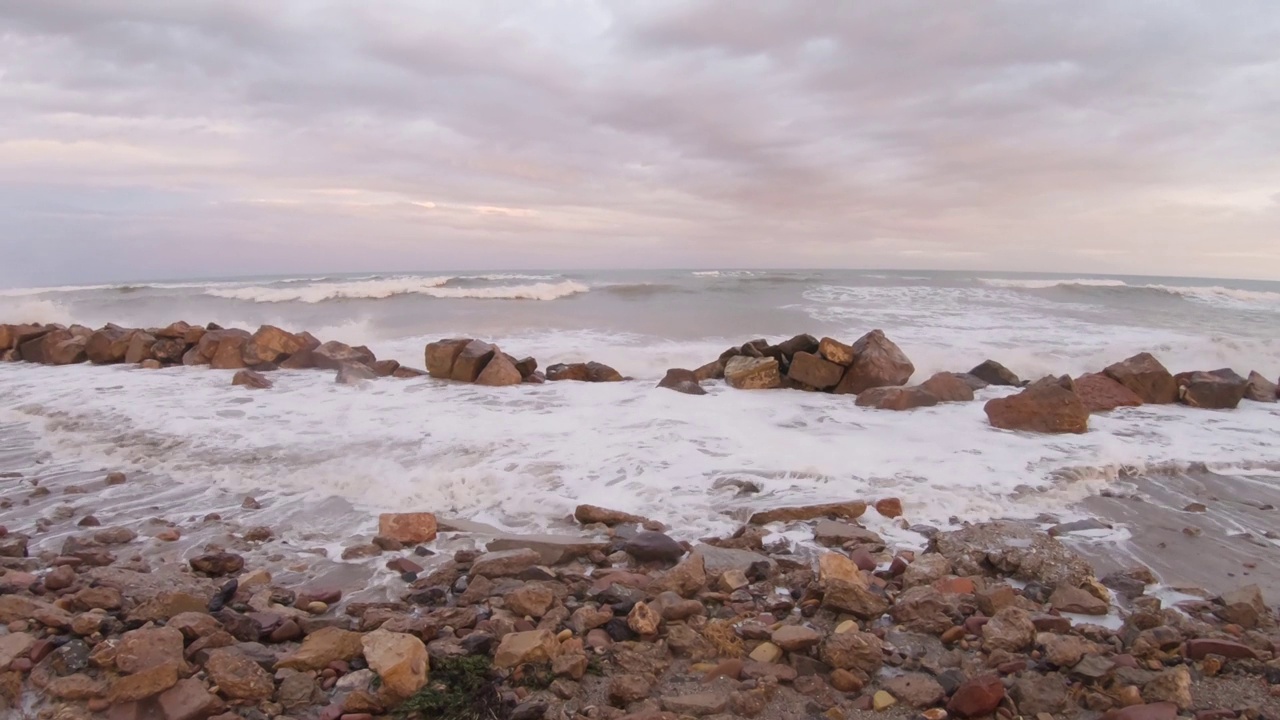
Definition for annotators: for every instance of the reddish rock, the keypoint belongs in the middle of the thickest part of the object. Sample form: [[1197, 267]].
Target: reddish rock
[[890, 507], [1100, 393], [1046, 408], [108, 345], [814, 371], [408, 528], [948, 387], [500, 371], [251, 379], [993, 373], [877, 362], [1146, 377], [385, 368], [977, 697], [1213, 390], [748, 373], [836, 352], [333, 355], [168, 351], [683, 381], [228, 352], [441, 355], [471, 361], [1200, 648], [189, 700], [583, 372], [1260, 389], [851, 510], [1149, 711], [270, 344], [897, 398], [217, 564]]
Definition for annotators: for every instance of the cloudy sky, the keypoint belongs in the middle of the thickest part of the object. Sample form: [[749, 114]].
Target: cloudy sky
[[150, 139]]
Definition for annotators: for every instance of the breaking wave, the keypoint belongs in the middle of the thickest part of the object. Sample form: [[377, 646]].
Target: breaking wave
[[379, 288]]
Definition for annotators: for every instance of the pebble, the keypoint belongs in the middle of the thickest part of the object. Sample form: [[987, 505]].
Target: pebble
[[882, 701]]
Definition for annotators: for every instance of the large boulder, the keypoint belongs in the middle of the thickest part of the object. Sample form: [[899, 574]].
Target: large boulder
[[67, 351], [333, 355], [993, 373], [583, 372], [798, 344], [441, 354], [501, 371], [1100, 393], [168, 351], [1044, 408], [877, 362], [682, 381], [139, 349], [36, 348], [809, 369], [228, 354], [251, 379], [897, 398], [1010, 548], [1212, 390], [471, 361], [833, 350], [13, 336], [1146, 377], [948, 387], [108, 345], [399, 659], [270, 344], [1260, 389], [748, 373]]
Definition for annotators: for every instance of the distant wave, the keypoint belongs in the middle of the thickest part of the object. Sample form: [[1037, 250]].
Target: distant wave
[[642, 289], [1045, 284], [385, 287], [1236, 298]]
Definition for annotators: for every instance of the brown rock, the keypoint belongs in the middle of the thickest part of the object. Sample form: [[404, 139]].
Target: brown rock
[[1099, 393], [1074, 600], [530, 600], [505, 563], [188, 700], [896, 398], [354, 374], [441, 355], [1200, 648], [877, 362], [237, 676], [1042, 408], [853, 651], [251, 379], [229, 351], [471, 361], [924, 609], [628, 688], [643, 620], [683, 381], [854, 598], [1213, 390], [1146, 377], [650, 545], [814, 371], [521, 648], [322, 647], [1172, 685], [977, 697], [746, 373], [1244, 607], [168, 351], [916, 689], [590, 514], [408, 528], [836, 352], [400, 660], [500, 371], [108, 346], [948, 387], [993, 373], [1151, 711], [270, 344], [850, 510], [217, 564], [698, 705], [1260, 389], [144, 684], [1010, 629], [796, 638], [75, 687], [145, 648], [333, 355]]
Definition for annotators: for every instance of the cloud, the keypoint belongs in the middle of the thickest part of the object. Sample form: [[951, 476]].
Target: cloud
[[144, 138]]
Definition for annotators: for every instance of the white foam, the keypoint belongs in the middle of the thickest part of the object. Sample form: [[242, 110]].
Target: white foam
[[384, 287], [1043, 284]]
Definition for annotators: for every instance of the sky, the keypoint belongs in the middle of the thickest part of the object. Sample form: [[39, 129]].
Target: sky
[[150, 139]]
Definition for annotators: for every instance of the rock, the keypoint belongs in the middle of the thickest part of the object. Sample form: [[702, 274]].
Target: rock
[[627, 688], [897, 398], [583, 372], [399, 659], [1043, 408], [924, 609], [144, 684], [1037, 694], [717, 560], [504, 563], [333, 355], [643, 620], [1172, 685], [217, 564], [441, 355], [1214, 390], [237, 676], [993, 373], [322, 647], [948, 387], [745, 373], [766, 652], [146, 648], [530, 600], [114, 536], [686, 579], [270, 344], [698, 705], [1260, 389], [501, 371], [1065, 651], [836, 352], [551, 549], [796, 638], [520, 648], [1244, 607], [408, 528], [683, 381], [168, 351], [353, 374], [405, 373], [877, 362], [1200, 648], [14, 646], [836, 567], [916, 689], [1150, 711], [854, 598], [1074, 600], [833, 533], [926, 569], [1010, 629], [809, 369], [107, 346], [1014, 549], [1146, 377], [1099, 393], [251, 379], [228, 351], [645, 546], [851, 510], [590, 514], [194, 625], [188, 700], [977, 697], [853, 651]]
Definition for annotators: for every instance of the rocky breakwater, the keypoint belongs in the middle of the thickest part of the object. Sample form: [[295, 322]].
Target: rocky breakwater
[[264, 350], [476, 361], [995, 620]]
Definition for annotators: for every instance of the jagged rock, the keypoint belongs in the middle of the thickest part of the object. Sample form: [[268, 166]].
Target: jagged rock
[[836, 352], [590, 514], [897, 398], [1244, 607], [977, 697], [1213, 390], [1260, 389], [851, 510], [1037, 694], [522, 648], [228, 351], [399, 659], [926, 569], [653, 546], [814, 371], [853, 651], [923, 609], [745, 373], [1042, 408], [1100, 393], [500, 371], [1014, 549], [1146, 377], [353, 374], [270, 344], [583, 372], [237, 676], [324, 646], [855, 599], [408, 528], [1172, 686], [877, 362], [993, 373], [441, 355], [1010, 629], [916, 689], [108, 345], [251, 379], [1074, 600], [948, 387], [333, 355], [504, 563], [683, 381], [530, 600]]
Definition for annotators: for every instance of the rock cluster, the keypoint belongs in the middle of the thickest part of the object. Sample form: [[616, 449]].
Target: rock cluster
[[476, 361]]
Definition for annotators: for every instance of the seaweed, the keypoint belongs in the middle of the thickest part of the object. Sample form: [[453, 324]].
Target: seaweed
[[458, 689]]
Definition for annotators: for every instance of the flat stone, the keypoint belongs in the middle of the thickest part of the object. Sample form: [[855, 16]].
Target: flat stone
[[504, 563], [698, 705]]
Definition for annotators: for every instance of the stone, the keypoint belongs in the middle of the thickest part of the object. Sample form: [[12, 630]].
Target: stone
[[926, 569], [646, 545], [146, 648], [977, 697], [698, 705], [1100, 393], [1172, 685], [746, 373], [851, 510], [14, 646], [228, 352], [877, 362], [855, 599], [1146, 377], [504, 563], [188, 700], [1010, 629], [916, 689], [75, 687], [114, 536], [1260, 389], [501, 371], [796, 638], [530, 600], [441, 355], [948, 387], [1075, 600], [408, 528], [217, 564], [833, 533], [399, 659], [1012, 548], [766, 652], [353, 374], [1037, 694], [686, 579], [1244, 607], [1213, 390], [144, 684], [853, 650], [925, 610], [834, 567], [591, 514], [521, 648], [627, 688], [1064, 651], [471, 360], [168, 351], [322, 647], [993, 373], [251, 379], [1042, 408], [896, 398], [108, 345], [1200, 648], [333, 355], [237, 676], [643, 620], [682, 381], [194, 625], [836, 352], [1148, 711], [813, 371], [270, 344], [551, 549]]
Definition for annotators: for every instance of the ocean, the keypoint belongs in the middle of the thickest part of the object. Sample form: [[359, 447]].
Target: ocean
[[325, 458]]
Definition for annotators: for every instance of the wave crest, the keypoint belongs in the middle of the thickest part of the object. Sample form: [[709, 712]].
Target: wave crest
[[380, 288]]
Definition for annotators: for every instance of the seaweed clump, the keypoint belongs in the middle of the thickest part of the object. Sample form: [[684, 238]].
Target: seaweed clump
[[460, 688]]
